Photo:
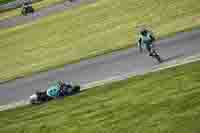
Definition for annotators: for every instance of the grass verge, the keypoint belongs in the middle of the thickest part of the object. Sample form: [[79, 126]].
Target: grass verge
[[38, 5], [165, 101], [88, 31], [5, 1]]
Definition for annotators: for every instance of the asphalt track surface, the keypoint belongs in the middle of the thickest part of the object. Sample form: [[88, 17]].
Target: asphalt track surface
[[19, 20], [103, 67]]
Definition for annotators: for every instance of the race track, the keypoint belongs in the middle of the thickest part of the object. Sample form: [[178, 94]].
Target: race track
[[103, 67]]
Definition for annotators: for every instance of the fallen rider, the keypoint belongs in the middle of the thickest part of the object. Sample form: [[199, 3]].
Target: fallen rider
[[56, 90]]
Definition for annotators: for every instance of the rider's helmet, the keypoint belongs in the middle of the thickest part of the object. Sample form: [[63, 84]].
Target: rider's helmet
[[144, 31]]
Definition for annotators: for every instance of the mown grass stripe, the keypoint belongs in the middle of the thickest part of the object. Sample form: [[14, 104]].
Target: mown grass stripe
[[164, 101]]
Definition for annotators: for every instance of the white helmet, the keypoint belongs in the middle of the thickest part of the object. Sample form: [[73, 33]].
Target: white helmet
[[33, 98]]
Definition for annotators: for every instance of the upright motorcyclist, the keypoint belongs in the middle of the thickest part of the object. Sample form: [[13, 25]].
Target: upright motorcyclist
[[27, 7], [145, 41], [26, 4]]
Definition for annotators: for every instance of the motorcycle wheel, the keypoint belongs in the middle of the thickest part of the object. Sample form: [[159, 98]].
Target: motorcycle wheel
[[31, 10], [156, 56], [77, 88]]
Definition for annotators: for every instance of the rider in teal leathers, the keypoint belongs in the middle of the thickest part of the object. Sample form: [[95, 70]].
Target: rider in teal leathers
[[145, 41], [54, 90]]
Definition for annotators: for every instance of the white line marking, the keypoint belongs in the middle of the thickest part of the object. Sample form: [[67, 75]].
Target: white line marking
[[163, 66]]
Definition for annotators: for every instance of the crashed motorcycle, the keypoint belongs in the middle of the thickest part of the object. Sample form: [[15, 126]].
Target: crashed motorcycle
[[66, 90]]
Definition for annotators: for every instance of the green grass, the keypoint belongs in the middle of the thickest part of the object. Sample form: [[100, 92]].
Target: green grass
[[163, 102], [38, 5], [5, 1], [90, 30]]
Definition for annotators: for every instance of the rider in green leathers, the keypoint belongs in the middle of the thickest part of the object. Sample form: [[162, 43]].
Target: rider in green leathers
[[145, 41], [54, 90]]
